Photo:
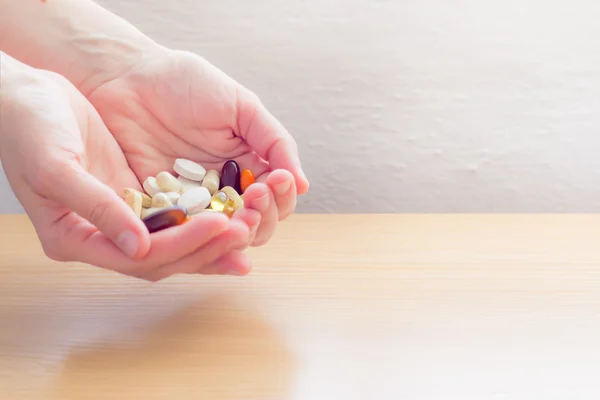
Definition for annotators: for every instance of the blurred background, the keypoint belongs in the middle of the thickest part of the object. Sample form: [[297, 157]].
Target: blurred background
[[412, 106]]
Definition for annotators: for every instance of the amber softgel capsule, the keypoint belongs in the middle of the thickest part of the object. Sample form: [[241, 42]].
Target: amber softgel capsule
[[165, 218]]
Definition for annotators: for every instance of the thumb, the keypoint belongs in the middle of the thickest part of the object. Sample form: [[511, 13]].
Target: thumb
[[96, 202]]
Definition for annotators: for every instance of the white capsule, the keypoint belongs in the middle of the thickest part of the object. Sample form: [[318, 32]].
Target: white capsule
[[151, 187], [189, 169], [195, 200], [146, 200], [187, 184], [167, 182], [134, 200], [161, 200], [211, 181]]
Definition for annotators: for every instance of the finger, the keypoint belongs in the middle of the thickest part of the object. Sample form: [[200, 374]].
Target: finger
[[234, 263], [236, 237], [167, 246], [268, 138], [251, 218], [259, 197], [282, 185], [81, 192]]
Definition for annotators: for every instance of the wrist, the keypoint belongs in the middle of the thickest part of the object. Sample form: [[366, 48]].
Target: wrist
[[77, 39]]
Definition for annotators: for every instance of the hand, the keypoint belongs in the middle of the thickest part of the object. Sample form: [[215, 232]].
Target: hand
[[67, 170], [172, 104]]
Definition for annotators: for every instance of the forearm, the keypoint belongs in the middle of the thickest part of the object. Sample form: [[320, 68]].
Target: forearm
[[75, 38]]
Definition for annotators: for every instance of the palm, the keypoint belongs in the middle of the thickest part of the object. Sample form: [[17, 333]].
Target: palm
[[66, 141], [176, 106]]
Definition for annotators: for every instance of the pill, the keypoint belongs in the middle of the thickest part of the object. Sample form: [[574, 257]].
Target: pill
[[187, 184], [165, 218], [246, 180], [233, 195], [161, 200], [146, 212], [230, 175], [189, 169], [211, 181], [195, 200], [151, 187], [134, 200], [173, 196], [229, 210], [167, 182], [218, 201], [146, 200]]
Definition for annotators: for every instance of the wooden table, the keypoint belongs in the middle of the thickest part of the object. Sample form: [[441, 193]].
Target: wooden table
[[337, 307]]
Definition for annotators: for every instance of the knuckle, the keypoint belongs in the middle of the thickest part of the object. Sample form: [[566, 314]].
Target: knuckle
[[47, 175], [98, 213], [53, 251]]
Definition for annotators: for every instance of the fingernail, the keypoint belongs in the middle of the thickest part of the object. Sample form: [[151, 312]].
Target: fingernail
[[302, 174], [262, 203], [128, 243], [282, 188]]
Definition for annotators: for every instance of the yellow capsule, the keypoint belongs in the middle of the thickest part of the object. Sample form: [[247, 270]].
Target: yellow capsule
[[218, 201], [233, 195], [229, 210]]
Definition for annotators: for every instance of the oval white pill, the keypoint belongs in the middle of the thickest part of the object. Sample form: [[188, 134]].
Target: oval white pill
[[195, 200], [189, 169], [173, 196], [151, 187], [187, 184], [167, 182], [161, 200]]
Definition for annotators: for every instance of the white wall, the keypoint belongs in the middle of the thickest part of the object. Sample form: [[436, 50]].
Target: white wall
[[414, 106]]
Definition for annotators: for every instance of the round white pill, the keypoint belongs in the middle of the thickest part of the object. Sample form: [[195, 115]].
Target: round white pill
[[151, 187], [195, 200], [189, 169]]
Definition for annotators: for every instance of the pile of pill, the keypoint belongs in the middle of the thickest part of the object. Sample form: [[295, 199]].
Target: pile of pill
[[171, 200]]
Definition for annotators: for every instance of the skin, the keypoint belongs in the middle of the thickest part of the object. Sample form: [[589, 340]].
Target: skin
[[172, 104], [66, 168], [118, 108]]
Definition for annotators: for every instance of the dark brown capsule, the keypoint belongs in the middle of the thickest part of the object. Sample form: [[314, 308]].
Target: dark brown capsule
[[230, 175], [165, 218]]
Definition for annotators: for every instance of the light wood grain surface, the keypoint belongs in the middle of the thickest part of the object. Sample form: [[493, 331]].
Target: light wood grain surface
[[337, 307]]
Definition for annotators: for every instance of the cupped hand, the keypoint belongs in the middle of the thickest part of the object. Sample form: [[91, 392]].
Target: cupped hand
[[174, 104], [67, 170]]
